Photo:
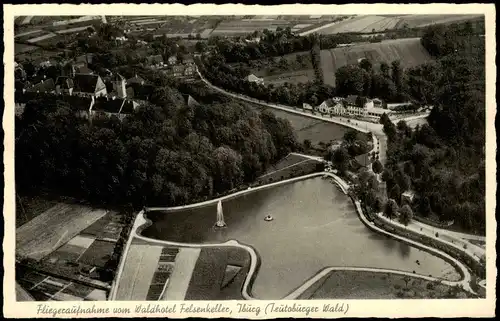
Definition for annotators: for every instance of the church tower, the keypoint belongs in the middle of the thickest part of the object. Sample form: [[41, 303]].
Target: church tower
[[119, 86]]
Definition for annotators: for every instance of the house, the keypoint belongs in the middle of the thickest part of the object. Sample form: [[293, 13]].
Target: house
[[44, 86], [188, 60], [172, 60], [191, 102], [135, 80], [255, 79], [357, 105], [64, 85], [407, 197], [377, 103], [332, 106], [307, 107], [89, 85], [189, 70], [108, 107], [155, 61], [84, 70]]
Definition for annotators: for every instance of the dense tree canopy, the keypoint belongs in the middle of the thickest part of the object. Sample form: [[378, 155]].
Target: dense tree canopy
[[169, 153]]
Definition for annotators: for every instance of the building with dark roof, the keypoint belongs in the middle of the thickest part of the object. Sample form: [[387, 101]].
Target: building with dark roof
[[135, 80], [64, 85], [109, 107], [44, 86], [89, 85]]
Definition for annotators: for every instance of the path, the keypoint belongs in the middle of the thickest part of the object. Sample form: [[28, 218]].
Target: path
[[183, 270]]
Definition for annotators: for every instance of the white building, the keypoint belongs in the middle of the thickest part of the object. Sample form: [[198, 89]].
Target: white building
[[307, 107], [332, 106], [253, 78]]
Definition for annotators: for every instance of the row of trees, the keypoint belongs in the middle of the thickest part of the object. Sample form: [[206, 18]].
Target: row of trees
[[166, 153]]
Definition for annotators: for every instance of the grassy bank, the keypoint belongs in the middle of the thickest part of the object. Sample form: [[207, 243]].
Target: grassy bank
[[379, 285]]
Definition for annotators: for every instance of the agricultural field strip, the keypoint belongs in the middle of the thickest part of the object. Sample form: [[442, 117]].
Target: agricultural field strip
[[184, 267], [143, 262]]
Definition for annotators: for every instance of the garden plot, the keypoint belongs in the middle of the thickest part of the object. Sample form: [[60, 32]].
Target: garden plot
[[55, 227], [98, 254]]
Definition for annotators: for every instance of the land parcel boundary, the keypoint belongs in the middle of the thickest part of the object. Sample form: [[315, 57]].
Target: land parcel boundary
[[55, 227]]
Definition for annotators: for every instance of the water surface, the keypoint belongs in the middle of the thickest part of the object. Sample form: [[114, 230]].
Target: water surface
[[315, 226]]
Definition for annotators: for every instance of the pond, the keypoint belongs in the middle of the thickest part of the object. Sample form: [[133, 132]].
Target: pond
[[315, 226]]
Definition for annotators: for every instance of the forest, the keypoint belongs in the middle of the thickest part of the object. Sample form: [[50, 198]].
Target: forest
[[444, 162], [167, 153]]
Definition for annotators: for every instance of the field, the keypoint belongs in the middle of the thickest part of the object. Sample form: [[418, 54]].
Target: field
[[139, 268], [56, 226], [377, 23], [108, 227], [362, 24], [47, 288], [425, 20], [409, 51], [375, 285]]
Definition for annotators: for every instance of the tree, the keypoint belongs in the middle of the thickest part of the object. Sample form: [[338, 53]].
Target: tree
[[377, 167], [378, 204], [395, 192], [351, 136], [307, 144], [391, 208], [405, 215]]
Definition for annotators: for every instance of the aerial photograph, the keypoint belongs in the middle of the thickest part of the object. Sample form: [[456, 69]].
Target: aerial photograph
[[284, 157]]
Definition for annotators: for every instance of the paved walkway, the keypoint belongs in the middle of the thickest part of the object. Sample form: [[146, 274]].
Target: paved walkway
[[183, 270]]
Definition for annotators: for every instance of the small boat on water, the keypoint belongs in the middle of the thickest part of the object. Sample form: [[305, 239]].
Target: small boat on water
[[268, 218]]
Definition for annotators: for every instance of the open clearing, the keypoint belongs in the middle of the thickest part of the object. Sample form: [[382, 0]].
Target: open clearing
[[55, 227], [409, 51]]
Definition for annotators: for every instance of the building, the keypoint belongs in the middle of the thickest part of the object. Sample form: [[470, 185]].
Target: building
[[363, 160], [108, 107], [407, 197], [172, 60], [332, 106], [255, 79], [119, 86], [189, 70], [89, 85], [155, 61], [64, 85], [44, 86], [135, 80], [84, 70], [307, 107], [357, 105], [378, 103]]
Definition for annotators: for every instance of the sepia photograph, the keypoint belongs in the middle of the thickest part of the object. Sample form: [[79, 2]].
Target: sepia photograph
[[199, 157]]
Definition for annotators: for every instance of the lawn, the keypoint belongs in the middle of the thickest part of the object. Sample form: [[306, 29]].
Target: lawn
[[409, 51], [208, 275], [376, 285], [28, 208], [55, 227]]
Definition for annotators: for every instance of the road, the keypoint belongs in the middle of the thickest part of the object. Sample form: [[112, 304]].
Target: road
[[377, 130]]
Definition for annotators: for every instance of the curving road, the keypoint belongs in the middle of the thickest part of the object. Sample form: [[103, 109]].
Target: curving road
[[379, 136]]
